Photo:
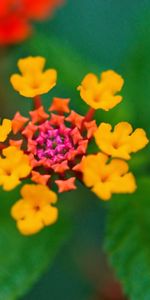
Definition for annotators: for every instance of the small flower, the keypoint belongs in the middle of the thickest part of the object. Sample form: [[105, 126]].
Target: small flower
[[13, 166], [66, 185], [122, 141], [60, 105], [33, 81], [107, 178], [38, 115], [18, 122], [5, 129], [75, 119], [38, 178], [35, 211], [101, 93]]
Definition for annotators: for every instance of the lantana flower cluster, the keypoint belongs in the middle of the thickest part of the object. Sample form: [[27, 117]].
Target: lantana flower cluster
[[50, 148], [16, 17]]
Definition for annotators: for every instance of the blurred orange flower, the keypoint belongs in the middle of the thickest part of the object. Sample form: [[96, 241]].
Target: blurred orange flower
[[16, 17]]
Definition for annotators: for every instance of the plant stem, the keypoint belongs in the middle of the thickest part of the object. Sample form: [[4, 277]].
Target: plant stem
[[37, 102], [90, 114]]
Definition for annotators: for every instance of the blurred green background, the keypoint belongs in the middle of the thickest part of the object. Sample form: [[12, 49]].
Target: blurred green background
[[89, 36]]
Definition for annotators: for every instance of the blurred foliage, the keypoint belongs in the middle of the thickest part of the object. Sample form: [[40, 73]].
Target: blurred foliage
[[137, 73], [128, 242], [127, 239]]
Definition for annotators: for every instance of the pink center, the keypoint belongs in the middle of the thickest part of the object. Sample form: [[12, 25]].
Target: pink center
[[53, 144]]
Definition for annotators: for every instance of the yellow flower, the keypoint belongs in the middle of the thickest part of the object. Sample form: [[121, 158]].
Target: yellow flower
[[5, 129], [101, 93], [105, 178], [122, 141], [13, 166], [33, 81], [34, 210]]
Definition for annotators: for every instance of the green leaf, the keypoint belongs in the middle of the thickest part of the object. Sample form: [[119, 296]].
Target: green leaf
[[128, 240], [23, 259]]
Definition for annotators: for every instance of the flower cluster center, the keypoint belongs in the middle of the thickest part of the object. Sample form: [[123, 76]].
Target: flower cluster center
[[54, 144]]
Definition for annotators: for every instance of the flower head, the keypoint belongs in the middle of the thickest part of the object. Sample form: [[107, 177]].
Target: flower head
[[51, 148], [106, 178], [120, 142], [55, 144], [13, 167], [101, 93], [14, 28], [5, 129], [33, 81], [41, 9], [34, 210], [16, 17]]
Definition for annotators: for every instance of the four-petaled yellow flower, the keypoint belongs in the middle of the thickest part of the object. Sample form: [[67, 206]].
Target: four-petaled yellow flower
[[33, 81], [101, 93], [106, 178], [120, 142], [34, 210], [5, 129], [13, 166]]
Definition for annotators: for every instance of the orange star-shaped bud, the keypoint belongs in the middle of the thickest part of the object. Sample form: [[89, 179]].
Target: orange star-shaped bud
[[33, 162], [47, 163], [71, 154], [82, 147], [38, 115], [75, 119], [76, 136], [37, 163], [91, 127], [78, 167], [32, 146], [18, 122], [38, 178], [60, 105], [16, 143], [29, 130], [56, 120], [66, 185], [62, 167]]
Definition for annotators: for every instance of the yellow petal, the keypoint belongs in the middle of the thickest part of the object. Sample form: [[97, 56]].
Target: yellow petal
[[5, 129], [102, 190], [29, 226], [39, 192], [138, 140], [113, 80], [31, 65], [9, 182], [124, 184], [89, 81], [117, 167], [49, 215], [91, 167], [107, 101], [18, 82], [21, 209]]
